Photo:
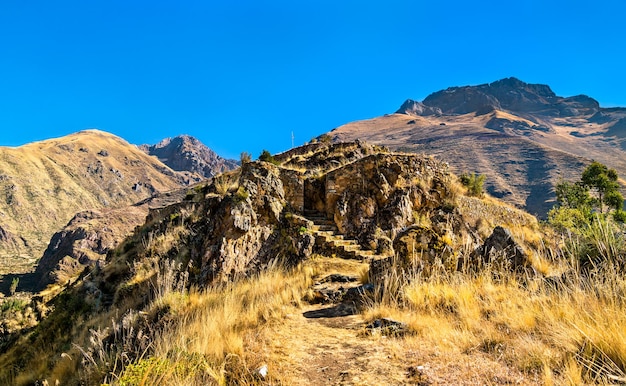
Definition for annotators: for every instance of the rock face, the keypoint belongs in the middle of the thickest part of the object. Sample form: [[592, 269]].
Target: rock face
[[373, 199], [83, 242], [501, 248], [10, 241], [87, 239], [412, 107], [186, 153]]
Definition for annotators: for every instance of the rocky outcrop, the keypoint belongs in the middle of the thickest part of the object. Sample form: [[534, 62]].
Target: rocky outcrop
[[186, 153], [10, 241], [461, 100], [242, 231], [90, 235], [412, 107], [501, 249], [86, 240], [372, 199]]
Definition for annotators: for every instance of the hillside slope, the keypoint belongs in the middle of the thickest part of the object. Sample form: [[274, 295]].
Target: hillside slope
[[44, 184], [523, 137]]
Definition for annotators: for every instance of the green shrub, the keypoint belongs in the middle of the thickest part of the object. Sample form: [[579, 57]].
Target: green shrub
[[565, 218], [240, 195], [266, 156], [13, 305], [14, 284], [619, 216], [474, 183]]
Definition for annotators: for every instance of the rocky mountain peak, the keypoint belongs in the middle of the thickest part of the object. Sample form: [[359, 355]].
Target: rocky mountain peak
[[509, 94], [514, 84], [187, 153]]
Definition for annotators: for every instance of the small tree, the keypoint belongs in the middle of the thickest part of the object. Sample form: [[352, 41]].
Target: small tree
[[474, 183], [603, 181], [266, 156], [575, 204], [572, 195]]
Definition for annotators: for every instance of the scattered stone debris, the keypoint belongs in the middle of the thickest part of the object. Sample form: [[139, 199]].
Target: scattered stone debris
[[357, 295], [417, 374], [337, 278], [387, 327], [262, 371]]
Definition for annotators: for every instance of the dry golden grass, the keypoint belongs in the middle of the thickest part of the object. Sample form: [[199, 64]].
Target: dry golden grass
[[212, 334], [571, 335]]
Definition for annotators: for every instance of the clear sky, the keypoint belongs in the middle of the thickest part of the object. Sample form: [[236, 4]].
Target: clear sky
[[244, 75]]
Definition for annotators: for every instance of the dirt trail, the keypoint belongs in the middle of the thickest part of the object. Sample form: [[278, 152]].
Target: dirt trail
[[325, 344]]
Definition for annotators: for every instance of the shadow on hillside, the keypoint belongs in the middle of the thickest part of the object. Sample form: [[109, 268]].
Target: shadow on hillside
[[332, 312], [27, 283]]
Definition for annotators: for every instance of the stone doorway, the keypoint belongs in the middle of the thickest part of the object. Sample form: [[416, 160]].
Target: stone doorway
[[315, 195]]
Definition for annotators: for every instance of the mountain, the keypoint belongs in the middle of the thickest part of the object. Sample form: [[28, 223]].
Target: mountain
[[522, 136], [186, 153], [44, 184]]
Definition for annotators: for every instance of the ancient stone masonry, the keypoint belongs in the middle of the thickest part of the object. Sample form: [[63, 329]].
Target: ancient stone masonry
[[346, 200]]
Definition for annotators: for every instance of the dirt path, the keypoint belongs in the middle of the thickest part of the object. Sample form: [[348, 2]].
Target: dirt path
[[333, 350], [326, 344]]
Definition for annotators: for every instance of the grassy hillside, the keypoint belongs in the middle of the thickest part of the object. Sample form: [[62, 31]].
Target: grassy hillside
[[43, 184], [173, 306]]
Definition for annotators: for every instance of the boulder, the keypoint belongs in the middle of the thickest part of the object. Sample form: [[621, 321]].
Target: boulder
[[501, 247]]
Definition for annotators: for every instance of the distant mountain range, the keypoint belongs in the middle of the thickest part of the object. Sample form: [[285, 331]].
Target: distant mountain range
[[43, 185], [522, 136]]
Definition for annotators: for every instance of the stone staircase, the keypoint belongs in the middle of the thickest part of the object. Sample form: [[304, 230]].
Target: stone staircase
[[328, 239]]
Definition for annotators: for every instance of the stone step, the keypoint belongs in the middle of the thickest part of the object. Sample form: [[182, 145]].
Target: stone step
[[326, 233], [351, 247], [324, 222], [324, 227]]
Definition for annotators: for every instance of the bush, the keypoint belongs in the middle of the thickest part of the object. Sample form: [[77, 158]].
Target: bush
[[266, 156], [241, 194], [565, 218], [14, 283], [474, 183]]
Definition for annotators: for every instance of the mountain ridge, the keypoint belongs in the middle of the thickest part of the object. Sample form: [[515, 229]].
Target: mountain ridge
[[522, 136]]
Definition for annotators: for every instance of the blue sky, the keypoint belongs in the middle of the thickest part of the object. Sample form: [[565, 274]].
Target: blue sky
[[244, 75]]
